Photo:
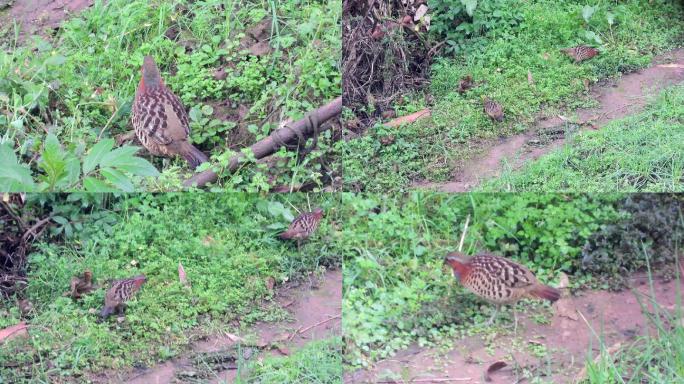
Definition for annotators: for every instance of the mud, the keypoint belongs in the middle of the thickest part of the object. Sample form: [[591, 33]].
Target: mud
[[41, 16], [615, 316], [315, 308], [617, 99]]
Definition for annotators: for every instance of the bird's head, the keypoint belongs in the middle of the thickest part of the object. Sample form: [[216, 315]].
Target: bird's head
[[458, 263], [139, 280], [150, 74], [318, 212]]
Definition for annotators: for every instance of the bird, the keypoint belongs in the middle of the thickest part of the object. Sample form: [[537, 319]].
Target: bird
[[303, 226], [465, 84], [160, 120], [580, 52], [498, 280], [493, 109], [81, 285], [120, 292]]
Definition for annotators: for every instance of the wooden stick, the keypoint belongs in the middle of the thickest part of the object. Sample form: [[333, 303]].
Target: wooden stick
[[408, 118], [273, 142]]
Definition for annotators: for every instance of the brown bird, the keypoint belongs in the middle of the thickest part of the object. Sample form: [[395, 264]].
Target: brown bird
[[465, 84], [493, 109], [498, 280], [160, 120], [580, 52], [120, 292], [303, 226], [81, 285]]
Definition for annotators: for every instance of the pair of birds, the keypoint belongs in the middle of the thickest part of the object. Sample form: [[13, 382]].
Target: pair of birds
[[494, 110], [301, 228], [498, 280]]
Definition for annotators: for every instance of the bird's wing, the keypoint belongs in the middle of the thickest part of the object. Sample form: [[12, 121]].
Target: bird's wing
[[513, 275]]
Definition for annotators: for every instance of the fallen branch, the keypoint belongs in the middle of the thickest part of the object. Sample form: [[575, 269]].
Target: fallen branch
[[271, 144], [34, 228], [299, 332]]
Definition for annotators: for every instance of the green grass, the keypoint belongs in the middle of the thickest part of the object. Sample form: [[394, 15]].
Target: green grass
[[644, 152], [80, 85], [434, 148], [227, 244], [319, 362]]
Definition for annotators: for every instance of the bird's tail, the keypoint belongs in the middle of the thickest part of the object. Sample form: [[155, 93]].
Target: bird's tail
[[545, 292], [192, 155], [286, 235]]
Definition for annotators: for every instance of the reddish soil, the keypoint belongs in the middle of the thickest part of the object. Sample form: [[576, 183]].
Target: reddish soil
[[617, 316], [41, 16], [617, 99], [316, 312]]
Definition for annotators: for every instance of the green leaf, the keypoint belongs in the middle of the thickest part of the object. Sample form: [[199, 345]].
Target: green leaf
[[118, 179], [96, 153], [92, 184], [138, 166], [55, 60], [195, 114], [52, 161], [207, 110], [587, 12], [470, 5], [14, 177]]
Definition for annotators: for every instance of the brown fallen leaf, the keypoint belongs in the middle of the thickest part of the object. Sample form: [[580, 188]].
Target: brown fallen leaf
[[182, 276], [563, 281], [530, 79], [586, 84], [233, 337], [13, 331], [493, 368]]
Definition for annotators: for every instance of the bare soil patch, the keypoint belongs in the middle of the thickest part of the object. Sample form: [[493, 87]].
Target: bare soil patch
[[41, 17], [315, 307], [617, 98], [615, 316]]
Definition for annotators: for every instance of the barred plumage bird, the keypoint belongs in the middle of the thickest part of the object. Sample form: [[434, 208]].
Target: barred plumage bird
[[303, 226], [580, 52], [465, 84], [120, 292], [498, 280], [160, 120], [493, 109]]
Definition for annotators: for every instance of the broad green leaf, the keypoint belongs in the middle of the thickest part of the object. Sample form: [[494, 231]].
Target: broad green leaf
[[96, 154], [92, 184], [207, 110], [118, 155], [52, 161], [14, 177], [118, 179], [55, 60], [470, 5], [195, 114], [138, 166], [587, 12]]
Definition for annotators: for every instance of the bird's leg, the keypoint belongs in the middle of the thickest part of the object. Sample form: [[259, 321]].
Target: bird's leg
[[496, 312]]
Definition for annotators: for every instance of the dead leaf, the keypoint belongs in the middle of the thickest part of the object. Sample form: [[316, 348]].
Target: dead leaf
[[233, 337], [208, 240], [564, 308], [493, 368], [387, 140], [13, 331], [182, 276], [530, 79], [420, 12], [220, 74], [283, 350], [262, 48], [586, 84]]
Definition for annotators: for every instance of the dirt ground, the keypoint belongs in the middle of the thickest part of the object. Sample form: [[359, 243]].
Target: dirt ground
[[315, 308], [617, 98], [39, 16], [617, 316]]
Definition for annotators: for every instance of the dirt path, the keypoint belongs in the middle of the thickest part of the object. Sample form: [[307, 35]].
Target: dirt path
[[40, 16], [617, 99], [315, 309], [566, 340]]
